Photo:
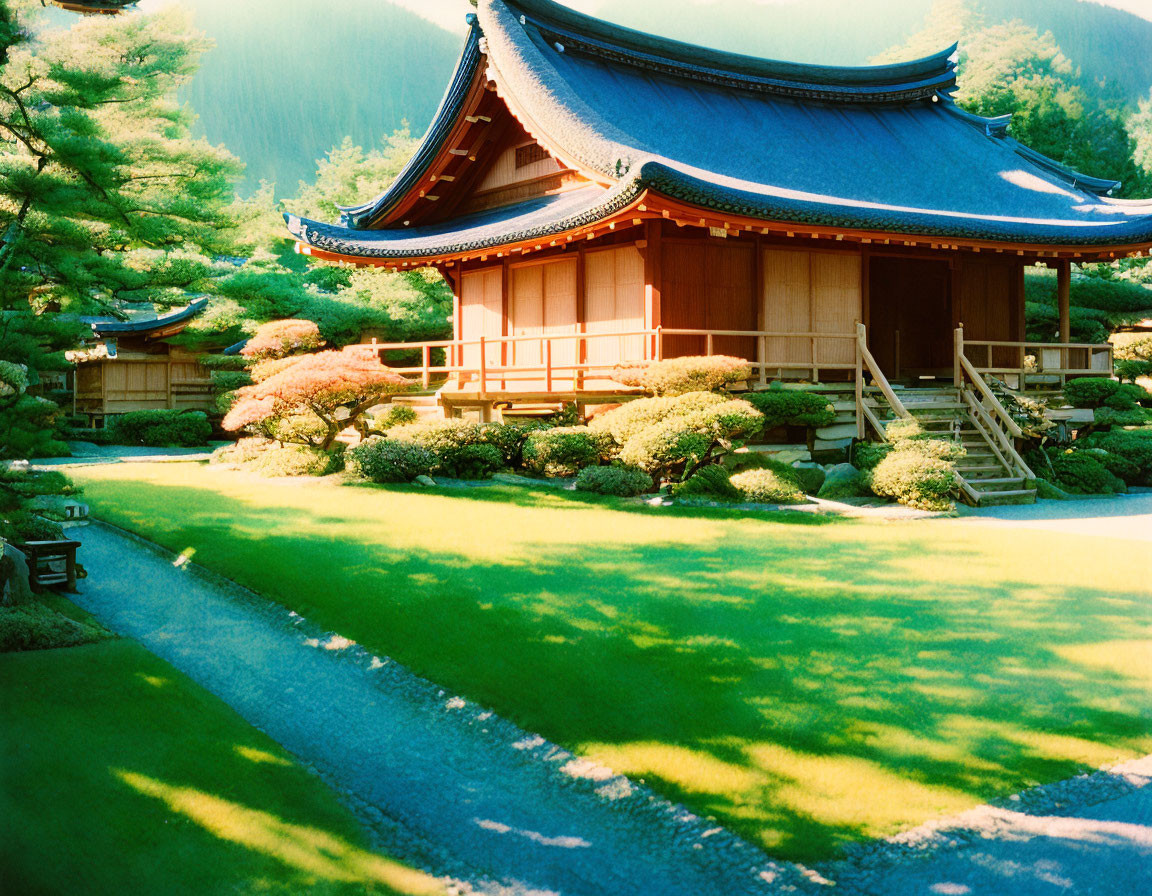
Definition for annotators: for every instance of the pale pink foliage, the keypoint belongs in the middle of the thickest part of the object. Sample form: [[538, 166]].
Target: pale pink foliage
[[280, 338], [315, 387]]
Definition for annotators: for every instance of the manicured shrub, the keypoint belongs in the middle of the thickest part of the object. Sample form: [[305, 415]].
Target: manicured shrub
[[1109, 417], [280, 338], [469, 461], [35, 626], [866, 455], [1134, 446], [1090, 391], [160, 428], [712, 481], [390, 460], [296, 460], [634, 417], [1116, 464], [915, 479], [678, 376], [21, 526], [565, 450], [396, 415], [623, 482], [230, 380], [810, 479], [242, 451], [906, 434], [1082, 473], [509, 437], [1049, 492], [767, 487], [844, 481], [792, 407], [438, 435]]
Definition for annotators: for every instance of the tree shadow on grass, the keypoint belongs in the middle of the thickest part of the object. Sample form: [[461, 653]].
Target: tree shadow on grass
[[805, 686]]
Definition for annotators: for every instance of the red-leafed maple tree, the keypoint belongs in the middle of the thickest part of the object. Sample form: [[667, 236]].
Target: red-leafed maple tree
[[280, 338], [312, 400]]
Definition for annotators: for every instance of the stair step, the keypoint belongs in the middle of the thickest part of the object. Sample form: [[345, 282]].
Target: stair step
[[1013, 496], [997, 481]]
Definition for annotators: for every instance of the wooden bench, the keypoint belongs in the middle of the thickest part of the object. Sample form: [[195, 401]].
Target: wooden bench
[[50, 563]]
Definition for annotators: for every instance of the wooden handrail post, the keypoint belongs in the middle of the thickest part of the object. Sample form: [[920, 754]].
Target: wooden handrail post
[[483, 368], [708, 345], [763, 340], [861, 336], [958, 353], [547, 365], [426, 379], [659, 343]]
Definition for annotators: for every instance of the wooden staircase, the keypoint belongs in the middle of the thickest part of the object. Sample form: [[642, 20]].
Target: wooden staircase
[[990, 474]]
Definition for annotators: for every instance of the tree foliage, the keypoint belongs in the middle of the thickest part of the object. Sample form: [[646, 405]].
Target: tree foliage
[[313, 399]]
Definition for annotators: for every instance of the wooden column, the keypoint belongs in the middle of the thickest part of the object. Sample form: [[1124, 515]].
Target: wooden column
[[1063, 283], [653, 229]]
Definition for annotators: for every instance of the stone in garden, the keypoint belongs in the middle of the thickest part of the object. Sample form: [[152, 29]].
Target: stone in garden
[[425, 480]]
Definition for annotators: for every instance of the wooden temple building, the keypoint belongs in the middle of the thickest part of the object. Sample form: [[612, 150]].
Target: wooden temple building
[[132, 366], [596, 196]]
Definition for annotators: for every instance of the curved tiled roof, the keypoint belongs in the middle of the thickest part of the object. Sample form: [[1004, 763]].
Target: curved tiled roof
[[152, 324], [879, 148]]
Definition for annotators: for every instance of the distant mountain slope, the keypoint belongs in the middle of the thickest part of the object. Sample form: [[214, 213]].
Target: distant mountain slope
[[288, 80]]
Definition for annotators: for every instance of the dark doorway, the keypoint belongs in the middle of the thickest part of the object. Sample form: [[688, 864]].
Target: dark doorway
[[910, 316]]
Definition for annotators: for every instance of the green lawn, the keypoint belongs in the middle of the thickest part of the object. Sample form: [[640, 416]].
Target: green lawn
[[806, 683], [119, 775]]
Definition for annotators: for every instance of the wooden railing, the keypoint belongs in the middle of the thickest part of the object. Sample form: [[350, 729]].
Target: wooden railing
[[988, 414], [1041, 365], [566, 361], [864, 413]]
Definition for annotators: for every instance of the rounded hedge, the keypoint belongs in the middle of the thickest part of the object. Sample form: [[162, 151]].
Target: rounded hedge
[[389, 460], [712, 481], [564, 450], [917, 480], [767, 487], [623, 482]]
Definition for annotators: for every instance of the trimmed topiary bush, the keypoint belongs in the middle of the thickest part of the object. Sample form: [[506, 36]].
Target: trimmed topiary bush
[[280, 338], [623, 482], [160, 428], [767, 487], [712, 481], [678, 376], [1098, 392], [1082, 473], [509, 437], [390, 460], [866, 455], [35, 626], [396, 415], [1135, 446], [20, 526], [792, 407], [916, 480], [565, 450], [458, 445], [844, 481], [296, 460], [671, 437]]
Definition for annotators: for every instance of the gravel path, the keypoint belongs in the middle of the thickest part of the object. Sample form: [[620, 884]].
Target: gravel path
[[1122, 516], [1088, 836], [441, 782]]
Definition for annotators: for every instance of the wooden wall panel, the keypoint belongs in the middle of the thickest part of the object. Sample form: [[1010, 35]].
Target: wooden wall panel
[[988, 303], [835, 304], [504, 172], [481, 312], [542, 301], [614, 303], [788, 303], [708, 284]]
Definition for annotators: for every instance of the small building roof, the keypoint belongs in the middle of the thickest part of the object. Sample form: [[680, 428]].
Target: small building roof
[[873, 149], [155, 327]]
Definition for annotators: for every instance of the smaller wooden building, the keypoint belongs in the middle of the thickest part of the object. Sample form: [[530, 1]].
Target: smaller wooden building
[[133, 367]]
